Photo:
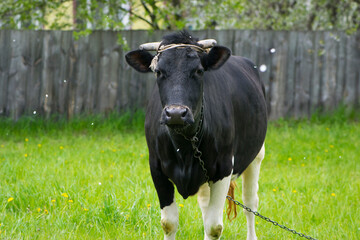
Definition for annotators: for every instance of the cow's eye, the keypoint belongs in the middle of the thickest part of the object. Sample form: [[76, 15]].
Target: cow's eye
[[200, 72], [158, 73]]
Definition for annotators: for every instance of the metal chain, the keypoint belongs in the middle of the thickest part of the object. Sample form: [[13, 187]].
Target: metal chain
[[269, 220], [195, 142], [197, 154]]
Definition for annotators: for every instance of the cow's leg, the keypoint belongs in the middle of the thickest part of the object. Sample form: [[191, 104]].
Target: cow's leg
[[203, 197], [170, 220], [169, 211], [211, 200], [250, 188]]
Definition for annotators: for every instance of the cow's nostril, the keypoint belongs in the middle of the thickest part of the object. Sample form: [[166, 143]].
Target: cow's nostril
[[167, 113], [184, 113]]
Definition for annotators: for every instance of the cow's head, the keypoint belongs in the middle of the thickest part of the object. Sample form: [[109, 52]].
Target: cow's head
[[179, 64]]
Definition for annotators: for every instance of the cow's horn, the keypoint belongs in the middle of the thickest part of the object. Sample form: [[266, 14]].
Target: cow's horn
[[207, 43], [152, 46]]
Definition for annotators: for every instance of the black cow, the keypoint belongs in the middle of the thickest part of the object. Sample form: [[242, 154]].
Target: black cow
[[205, 125]]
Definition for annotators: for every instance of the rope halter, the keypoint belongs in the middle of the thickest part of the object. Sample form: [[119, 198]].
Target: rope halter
[[204, 46]]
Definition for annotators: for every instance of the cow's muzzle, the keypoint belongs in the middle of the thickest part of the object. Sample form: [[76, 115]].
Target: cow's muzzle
[[177, 116]]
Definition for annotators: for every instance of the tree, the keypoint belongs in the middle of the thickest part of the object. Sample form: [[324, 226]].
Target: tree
[[25, 14], [275, 14], [192, 14]]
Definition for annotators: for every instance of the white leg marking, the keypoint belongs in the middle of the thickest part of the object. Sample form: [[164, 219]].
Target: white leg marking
[[170, 221], [250, 188], [203, 197], [212, 202]]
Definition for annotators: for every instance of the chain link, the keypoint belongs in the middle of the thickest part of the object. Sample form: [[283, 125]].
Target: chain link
[[269, 220]]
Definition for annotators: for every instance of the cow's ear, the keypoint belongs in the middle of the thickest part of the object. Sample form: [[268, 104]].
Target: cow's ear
[[217, 56], [140, 60]]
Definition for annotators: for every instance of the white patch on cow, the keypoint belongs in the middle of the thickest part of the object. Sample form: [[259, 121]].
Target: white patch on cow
[[203, 196], [170, 221], [234, 176], [250, 188], [211, 199]]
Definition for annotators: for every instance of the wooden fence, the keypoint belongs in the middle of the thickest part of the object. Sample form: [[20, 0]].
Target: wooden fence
[[48, 72]]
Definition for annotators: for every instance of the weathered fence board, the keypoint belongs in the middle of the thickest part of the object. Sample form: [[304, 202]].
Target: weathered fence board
[[48, 72]]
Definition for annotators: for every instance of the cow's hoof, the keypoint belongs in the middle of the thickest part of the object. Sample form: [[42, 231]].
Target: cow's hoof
[[168, 227], [215, 232]]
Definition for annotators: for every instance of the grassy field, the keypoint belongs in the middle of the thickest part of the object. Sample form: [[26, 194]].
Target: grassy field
[[89, 179]]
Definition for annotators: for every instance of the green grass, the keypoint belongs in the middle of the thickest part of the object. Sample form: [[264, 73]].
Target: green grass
[[309, 181]]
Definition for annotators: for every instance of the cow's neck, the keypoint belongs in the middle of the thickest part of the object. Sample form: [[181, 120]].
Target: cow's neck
[[185, 143]]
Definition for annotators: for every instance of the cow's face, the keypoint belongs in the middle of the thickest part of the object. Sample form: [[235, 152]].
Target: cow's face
[[180, 80], [179, 73]]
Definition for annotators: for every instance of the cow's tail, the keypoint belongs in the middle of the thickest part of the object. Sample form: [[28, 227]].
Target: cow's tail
[[231, 210]]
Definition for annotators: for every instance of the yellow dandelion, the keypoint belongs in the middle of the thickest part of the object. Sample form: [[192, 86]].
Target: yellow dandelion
[[303, 165], [294, 191], [61, 147], [26, 139], [85, 209], [26, 155], [46, 211], [327, 129], [2, 145], [333, 194], [274, 190], [257, 222], [111, 176], [181, 205], [144, 234], [102, 151], [39, 145], [114, 150], [65, 195], [326, 150], [141, 155], [38, 209], [53, 200], [10, 199], [332, 146], [71, 201], [148, 206], [289, 158], [127, 216]]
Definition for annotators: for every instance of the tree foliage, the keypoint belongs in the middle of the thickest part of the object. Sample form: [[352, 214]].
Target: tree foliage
[[276, 14], [178, 14], [25, 14]]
